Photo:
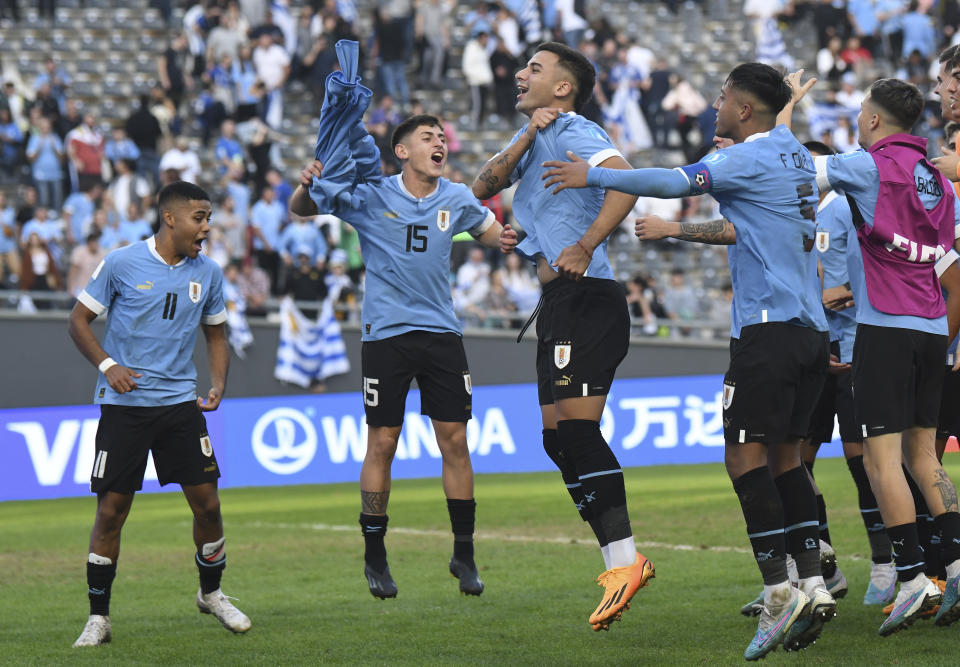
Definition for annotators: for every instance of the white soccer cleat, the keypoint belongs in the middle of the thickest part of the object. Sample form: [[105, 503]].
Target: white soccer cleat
[[219, 605], [95, 632]]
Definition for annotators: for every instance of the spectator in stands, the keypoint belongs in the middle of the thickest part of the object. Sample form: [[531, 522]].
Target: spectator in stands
[[266, 219], [687, 103], [133, 226], [45, 153], [830, 63], [9, 247], [640, 307], [856, 55], [864, 24], [504, 65], [78, 212], [18, 104], [272, 64], [506, 31], [319, 61], [254, 285], [830, 21], [183, 160], [680, 300], [849, 96], [258, 139], [57, 78], [71, 117], [520, 283], [305, 281], [394, 50], [38, 270], [85, 147], [11, 148], [472, 283], [571, 24], [228, 151], [128, 188], [171, 70], [225, 219], [308, 29], [144, 130], [432, 28], [654, 89], [235, 186], [479, 76], [498, 309], [225, 39], [26, 204], [340, 287], [47, 229], [47, 103], [250, 91], [918, 32], [299, 234], [84, 259], [120, 147]]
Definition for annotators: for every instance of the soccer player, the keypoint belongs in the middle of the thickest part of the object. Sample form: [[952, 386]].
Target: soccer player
[[583, 325], [406, 224], [779, 356], [905, 214], [157, 291]]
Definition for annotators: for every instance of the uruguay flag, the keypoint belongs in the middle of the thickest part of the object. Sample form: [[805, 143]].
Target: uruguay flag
[[309, 352]]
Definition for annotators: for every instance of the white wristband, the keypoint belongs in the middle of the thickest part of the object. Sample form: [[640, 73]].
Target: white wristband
[[106, 364]]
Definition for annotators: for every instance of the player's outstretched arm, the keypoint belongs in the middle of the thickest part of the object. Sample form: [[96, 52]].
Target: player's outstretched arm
[[495, 174], [121, 378], [300, 201], [785, 117], [218, 358], [714, 232], [577, 173]]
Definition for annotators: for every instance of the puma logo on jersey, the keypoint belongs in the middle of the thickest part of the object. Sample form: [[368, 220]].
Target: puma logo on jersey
[[146, 285]]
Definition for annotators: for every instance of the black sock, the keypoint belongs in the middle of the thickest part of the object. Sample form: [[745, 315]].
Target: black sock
[[763, 513], [801, 527], [462, 520], [926, 530], [870, 513], [211, 571], [598, 471], [824, 527], [99, 583], [374, 527], [948, 525], [907, 553], [551, 445]]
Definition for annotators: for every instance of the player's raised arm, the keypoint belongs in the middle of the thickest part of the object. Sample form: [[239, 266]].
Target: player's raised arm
[[785, 117], [495, 174], [300, 201], [651, 182], [121, 378], [218, 359]]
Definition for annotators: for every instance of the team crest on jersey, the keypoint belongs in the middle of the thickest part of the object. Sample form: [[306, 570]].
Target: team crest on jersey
[[823, 241], [727, 395], [561, 355], [205, 446], [443, 220], [195, 289], [467, 383]]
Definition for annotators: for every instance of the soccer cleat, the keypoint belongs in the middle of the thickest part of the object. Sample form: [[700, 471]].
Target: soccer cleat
[[909, 606], [950, 603], [95, 632], [219, 605], [807, 628], [883, 584], [775, 621], [932, 611], [620, 584], [470, 583], [754, 607], [381, 583], [837, 584], [828, 560]]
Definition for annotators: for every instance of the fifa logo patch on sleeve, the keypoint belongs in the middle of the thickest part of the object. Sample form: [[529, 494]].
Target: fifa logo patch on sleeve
[[823, 241], [443, 220], [194, 292]]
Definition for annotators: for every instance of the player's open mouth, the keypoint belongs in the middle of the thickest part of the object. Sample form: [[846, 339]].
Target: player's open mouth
[[437, 157], [521, 90], [198, 244]]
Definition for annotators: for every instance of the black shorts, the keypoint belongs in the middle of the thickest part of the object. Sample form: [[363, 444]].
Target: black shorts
[[583, 332], [949, 421], [773, 383], [176, 434], [897, 379], [436, 360], [836, 400]]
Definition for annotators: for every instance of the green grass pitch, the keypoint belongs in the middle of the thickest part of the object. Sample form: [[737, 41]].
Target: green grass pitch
[[295, 564]]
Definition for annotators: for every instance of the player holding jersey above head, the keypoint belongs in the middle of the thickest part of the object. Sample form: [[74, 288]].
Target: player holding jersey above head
[[406, 225], [157, 291], [765, 185], [583, 326], [905, 213]]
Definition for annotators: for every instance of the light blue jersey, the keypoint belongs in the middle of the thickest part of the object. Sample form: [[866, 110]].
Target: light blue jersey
[[856, 174], [406, 243], [154, 311], [8, 229], [835, 238], [298, 237], [269, 218], [554, 222]]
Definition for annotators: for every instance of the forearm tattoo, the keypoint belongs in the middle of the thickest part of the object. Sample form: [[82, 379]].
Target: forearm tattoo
[[947, 491], [489, 181], [715, 232], [374, 502]]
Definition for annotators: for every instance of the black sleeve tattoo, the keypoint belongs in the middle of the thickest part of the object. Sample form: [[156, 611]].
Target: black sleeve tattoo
[[947, 491], [715, 232], [374, 502]]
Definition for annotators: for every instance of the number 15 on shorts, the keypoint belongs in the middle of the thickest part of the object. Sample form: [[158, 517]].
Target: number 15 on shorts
[[371, 396]]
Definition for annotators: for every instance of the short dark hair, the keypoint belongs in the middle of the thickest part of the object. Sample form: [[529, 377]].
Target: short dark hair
[[180, 191], [409, 125], [952, 127], [763, 82], [950, 56], [819, 148], [578, 65], [900, 100]]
